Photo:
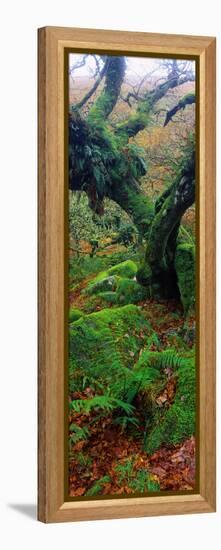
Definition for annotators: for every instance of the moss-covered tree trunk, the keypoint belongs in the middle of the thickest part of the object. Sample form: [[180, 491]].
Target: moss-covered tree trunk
[[89, 173], [130, 197], [159, 270]]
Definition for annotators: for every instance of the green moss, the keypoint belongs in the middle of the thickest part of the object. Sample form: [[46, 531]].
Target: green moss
[[177, 423], [93, 303], [103, 285], [142, 210], [133, 125], [106, 341], [110, 297], [187, 100], [130, 292], [74, 314], [136, 122], [125, 269], [122, 291], [185, 269], [107, 99]]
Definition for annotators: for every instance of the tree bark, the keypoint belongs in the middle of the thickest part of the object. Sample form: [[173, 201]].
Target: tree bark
[[130, 197], [138, 121], [188, 99], [158, 271], [107, 100]]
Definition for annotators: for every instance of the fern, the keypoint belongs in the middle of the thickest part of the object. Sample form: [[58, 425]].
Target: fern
[[126, 421], [144, 482], [86, 405], [153, 339], [186, 235], [78, 433], [126, 407], [103, 402], [97, 486], [124, 470], [142, 379], [160, 359], [140, 481]]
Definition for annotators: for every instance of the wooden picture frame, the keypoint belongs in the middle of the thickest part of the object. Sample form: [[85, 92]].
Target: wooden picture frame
[[53, 41]]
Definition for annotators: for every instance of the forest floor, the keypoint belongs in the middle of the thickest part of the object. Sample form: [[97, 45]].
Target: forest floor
[[101, 456], [172, 467]]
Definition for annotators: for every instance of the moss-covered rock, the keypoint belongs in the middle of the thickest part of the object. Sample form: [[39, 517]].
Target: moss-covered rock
[[104, 285], [109, 297], [130, 292], [107, 340], [74, 314], [125, 269], [185, 269], [127, 292], [176, 423]]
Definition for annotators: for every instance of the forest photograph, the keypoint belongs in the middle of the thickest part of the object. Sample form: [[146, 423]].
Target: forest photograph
[[132, 248]]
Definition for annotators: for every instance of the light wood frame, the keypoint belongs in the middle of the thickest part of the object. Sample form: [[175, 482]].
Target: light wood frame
[[52, 42]]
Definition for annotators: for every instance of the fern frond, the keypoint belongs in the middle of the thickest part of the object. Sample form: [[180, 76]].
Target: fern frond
[[126, 407], [98, 402], [78, 433], [160, 359], [97, 486]]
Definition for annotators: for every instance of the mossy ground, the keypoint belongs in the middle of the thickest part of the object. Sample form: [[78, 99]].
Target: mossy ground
[[176, 423], [104, 342], [131, 365], [74, 314]]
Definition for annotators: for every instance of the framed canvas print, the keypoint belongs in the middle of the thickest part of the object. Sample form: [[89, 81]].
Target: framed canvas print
[[126, 274]]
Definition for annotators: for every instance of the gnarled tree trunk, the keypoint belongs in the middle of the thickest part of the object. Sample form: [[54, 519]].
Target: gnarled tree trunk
[[158, 270]]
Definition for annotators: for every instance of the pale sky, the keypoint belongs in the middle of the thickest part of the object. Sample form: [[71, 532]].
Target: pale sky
[[135, 65]]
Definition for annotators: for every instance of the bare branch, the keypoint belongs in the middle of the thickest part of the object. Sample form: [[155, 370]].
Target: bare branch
[[98, 60], [129, 95], [92, 90], [80, 63], [136, 123]]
